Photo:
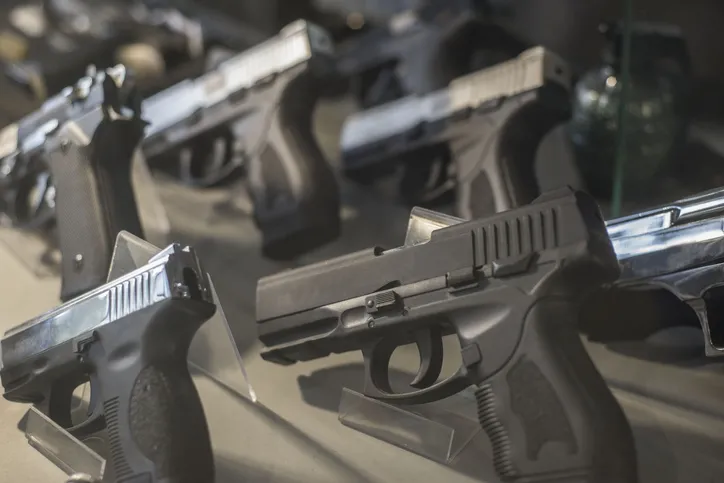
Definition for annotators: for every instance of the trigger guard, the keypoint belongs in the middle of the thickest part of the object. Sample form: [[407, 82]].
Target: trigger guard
[[377, 381], [57, 401], [441, 390], [218, 163]]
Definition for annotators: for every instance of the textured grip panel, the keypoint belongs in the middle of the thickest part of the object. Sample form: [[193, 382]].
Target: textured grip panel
[[548, 413], [121, 468], [539, 408], [156, 423], [167, 424], [84, 243], [91, 171]]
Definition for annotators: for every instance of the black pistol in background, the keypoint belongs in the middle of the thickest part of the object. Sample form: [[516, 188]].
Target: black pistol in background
[[70, 163], [678, 248], [493, 122], [254, 110], [130, 338], [509, 286], [46, 45], [423, 48]]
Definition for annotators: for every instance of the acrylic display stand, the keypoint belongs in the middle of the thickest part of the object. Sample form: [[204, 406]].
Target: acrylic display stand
[[42, 259], [68, 453], [154, 219], [439, 431], [213, 353]]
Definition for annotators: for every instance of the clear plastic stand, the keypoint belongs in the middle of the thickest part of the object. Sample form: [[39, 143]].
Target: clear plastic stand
[[213, 350], [60, 447], [439, 431], [35, 250], [213, 353], [156, 226]]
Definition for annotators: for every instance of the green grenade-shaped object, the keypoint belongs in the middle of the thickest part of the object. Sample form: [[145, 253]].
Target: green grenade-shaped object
[[656, 105]]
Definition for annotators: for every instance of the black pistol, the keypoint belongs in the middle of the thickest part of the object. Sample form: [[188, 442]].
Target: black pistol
[[423, 47], [509, 287], [493, 121], [47, 44], [259, 103], [130, 338], [82, 144]]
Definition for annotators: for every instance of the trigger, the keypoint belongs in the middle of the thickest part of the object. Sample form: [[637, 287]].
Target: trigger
[[429, 344], [94, 392], [96, 420]]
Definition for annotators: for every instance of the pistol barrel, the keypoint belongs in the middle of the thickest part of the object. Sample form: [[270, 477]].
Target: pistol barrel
[[183, 103], [674, 237]]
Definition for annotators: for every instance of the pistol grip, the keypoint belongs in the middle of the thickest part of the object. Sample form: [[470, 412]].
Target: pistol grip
[[496, 158], [94, 196], [295, 193], [157, 430], [548, 413]]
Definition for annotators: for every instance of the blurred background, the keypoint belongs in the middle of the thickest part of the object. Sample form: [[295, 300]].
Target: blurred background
[[674, 102]]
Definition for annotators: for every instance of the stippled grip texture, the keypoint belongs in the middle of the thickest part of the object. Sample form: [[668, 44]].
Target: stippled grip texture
[[548, 414], [295, 193], [165, 423], [157, 429], [91, 171]]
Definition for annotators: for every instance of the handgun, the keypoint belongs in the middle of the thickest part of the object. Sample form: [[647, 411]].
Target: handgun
[[492, 121], [46, 45], [509, 287], [423, 48], [130, 338], [677, 247], [260, 102], [79, 146]]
